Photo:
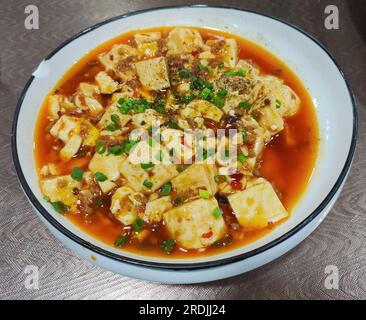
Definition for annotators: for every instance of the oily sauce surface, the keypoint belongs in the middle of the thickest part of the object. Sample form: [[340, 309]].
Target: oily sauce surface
[[288, 159]]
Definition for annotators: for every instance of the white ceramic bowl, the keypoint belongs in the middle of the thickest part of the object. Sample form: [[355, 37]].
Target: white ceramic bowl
[[327, 86]]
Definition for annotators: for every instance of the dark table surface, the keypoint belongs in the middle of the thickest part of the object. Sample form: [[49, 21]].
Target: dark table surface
[[24, 240]]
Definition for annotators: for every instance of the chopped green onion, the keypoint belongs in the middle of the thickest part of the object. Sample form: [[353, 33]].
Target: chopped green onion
[[220, 178], [60, 207], [112, 127], [115, 118], [115, 150], [166, 189], [209, 69], [218, 102], [147, 165], [205, 94], [160, 109], [99, 202], [278, 104], [150, 141], [159, 155], [184, 73], [201, 66], [245, 105], [168, 245], [242, 158], [188, 98], [172, 123], [100, 176], [121, 241], [241, 73], [244, 133], [128, 145], [230, 73], [138, 224], [226, 153], [222, 93], [217, 213], [77, 174], [204, 194], [148, 184], [80, 154], [100, 147]]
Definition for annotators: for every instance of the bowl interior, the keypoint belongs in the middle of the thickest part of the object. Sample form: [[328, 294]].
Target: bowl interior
[[320, 75]]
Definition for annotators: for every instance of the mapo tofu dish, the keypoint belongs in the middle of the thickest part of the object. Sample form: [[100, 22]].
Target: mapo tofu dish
[[176, 141]]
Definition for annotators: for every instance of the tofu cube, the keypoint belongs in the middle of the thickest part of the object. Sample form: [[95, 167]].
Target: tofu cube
[[106, 118], [123, 208], [158, 175], [228, 51], [193, 225], [289, 101], [111, 58], [271, 121], [154, 209], [108, 165], [183, 40], [71, 147], [257, 206], [54, 106], [106, 84], [61, 188], [206, 109], [195, 177], [153, 73], [88, 89], [250, 69], [149, 118], [144, 37], [65, 127]]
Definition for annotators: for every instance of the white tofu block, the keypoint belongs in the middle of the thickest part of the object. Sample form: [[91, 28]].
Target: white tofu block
[[106, 186], [153, 73], [49, 169], [257, 206], [71, 147], [88, 103], [122, 207], [112, 57], [249, 68], [106, 84], [195, 177], [183, 40], [149, 118], [108, 165], [143, 37], [228, 52], [193, 225], [148, 49], [125, 93], [88, 89], [231, 53], [67, 126], [64, 128], [154, 209], [206, 109], [106, 118], [61, 188], [271, 121], [158, 175], [54, 106], [289, 101]]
